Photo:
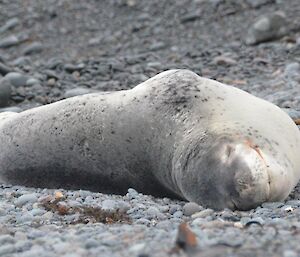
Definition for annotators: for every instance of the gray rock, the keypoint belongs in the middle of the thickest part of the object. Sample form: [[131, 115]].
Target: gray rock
[[16, 79], [10, 24], [71, 68], [35, 47], [77, 91], [272, 205], [109, 204], [32, 81], [11, 109], [224, 60], [6, 249], [5, 92], [21, 61], [9, 41], [258, 3], [292, 70], [203, 214], [132, 193], [152, 212], [6, 239], [267, 27], [178, 214], [27, 198], [191, 208], [4, 69]]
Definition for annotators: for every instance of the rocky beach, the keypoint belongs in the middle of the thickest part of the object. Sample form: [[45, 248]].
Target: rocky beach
[[55, 49]]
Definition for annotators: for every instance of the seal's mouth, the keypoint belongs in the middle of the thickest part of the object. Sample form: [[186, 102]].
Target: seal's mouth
[[251, 180]]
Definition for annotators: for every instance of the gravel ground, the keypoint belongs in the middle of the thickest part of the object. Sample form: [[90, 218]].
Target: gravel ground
[[55, 49]]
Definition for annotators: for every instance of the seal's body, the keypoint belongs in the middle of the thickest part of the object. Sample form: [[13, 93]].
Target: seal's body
[[176, 135]]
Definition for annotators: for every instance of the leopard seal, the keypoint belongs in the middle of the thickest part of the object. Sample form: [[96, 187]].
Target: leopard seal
[[177, 135]]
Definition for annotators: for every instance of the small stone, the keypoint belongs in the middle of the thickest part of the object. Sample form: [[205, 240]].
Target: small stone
[[77, 91], [267, 27], [137, 248], [27, 198], [152, 212], [9, 41], [203, 214], [178, 214], [224, 60], [109, 204], [51, 82], [11, 109], [21, 61], [292, 70], [32, 81], [6, 239], [191, 208], [10, 24], [5, 92], [35, 47], [190, 17], [4, 69], [258, 3], [24, 218], [91, 243], [6, 249], [272, 205], [289, 253], [16, 79], [71, 68], [157, 46], [132, 193]]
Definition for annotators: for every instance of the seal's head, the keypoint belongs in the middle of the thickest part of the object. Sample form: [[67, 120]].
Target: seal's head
[[233, 174]]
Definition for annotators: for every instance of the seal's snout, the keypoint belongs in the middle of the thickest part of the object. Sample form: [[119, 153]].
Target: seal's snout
[[230, 175], [250, 173]]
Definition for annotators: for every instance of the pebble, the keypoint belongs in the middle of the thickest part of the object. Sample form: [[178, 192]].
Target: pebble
[[9, 25], [258, 3], [33, 48], [27, 198], [178, 214], [224, 60], [267, 27], [16, 79], [203, 213], [4, 69], [292, 70], [5, 92], [109, 205], [191, 208], [32, 81], [77, 91], [71, 68], [272, 205], [9, 41], [152, 212], [6, 249]]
